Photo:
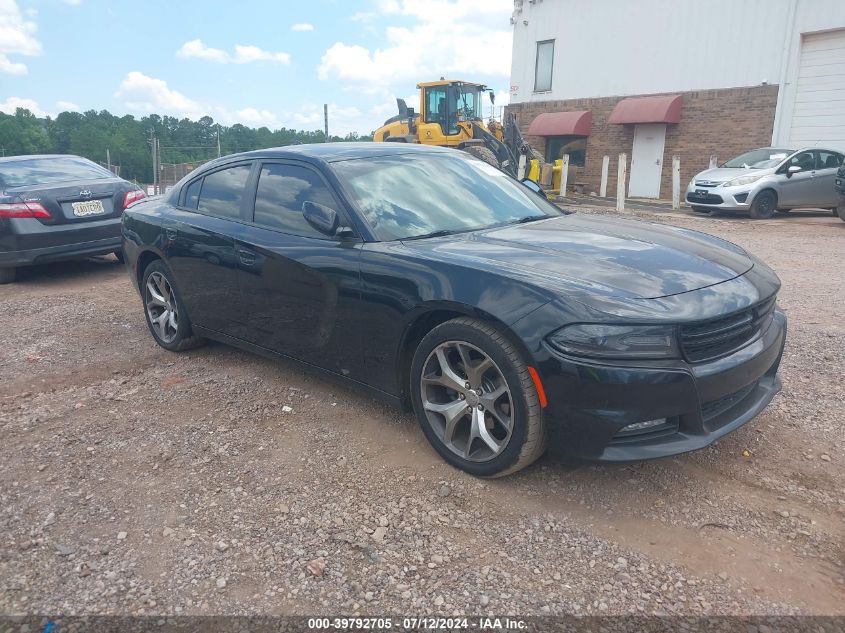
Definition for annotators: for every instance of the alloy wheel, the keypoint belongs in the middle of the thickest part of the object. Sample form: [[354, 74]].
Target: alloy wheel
[[162, 310], [467, 401]]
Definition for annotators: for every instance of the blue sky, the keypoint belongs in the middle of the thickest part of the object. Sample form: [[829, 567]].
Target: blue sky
[[257, 63]]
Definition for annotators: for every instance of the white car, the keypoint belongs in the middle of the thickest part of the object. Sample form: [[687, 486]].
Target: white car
[[766, 180]]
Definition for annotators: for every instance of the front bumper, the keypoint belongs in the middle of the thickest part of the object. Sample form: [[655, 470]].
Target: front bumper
[[725, 198], [590, 403], [27, 241]]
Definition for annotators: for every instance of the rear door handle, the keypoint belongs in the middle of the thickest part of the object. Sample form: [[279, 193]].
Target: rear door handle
[[247, 258]]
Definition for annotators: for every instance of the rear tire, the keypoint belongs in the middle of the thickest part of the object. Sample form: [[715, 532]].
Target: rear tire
[[764, 205], [7, 275], [501, 401], [840, 211], [164, 312], [484, 154], [119, 255]]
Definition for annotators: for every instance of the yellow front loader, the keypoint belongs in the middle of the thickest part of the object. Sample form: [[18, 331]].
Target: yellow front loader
[[449, 115]]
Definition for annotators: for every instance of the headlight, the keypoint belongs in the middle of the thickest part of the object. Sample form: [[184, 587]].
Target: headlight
[[743, 180], [617, 341]]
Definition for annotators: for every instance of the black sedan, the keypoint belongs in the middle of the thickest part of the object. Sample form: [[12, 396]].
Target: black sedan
[[58, 207], [438, 282]]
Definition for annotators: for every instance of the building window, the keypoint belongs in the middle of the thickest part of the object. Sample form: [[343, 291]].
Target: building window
[[543, 66], [575, 146]]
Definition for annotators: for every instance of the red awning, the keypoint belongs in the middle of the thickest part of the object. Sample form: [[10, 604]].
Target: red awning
[[647, 110], [562, 124]]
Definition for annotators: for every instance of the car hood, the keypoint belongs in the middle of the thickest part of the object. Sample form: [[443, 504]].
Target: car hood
[[624, 258], [723, 174]]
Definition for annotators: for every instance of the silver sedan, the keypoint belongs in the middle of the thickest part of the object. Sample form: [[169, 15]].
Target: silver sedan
[[766, 180]]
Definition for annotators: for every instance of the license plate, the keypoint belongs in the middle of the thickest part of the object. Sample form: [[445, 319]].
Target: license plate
[[88, 207]]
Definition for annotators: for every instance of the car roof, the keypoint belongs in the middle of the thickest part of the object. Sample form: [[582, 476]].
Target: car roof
[[332, 152], [11, 159]]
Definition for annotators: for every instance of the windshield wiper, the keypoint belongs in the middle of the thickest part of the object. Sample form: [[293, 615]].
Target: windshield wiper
[[439, 233], [529, 218]]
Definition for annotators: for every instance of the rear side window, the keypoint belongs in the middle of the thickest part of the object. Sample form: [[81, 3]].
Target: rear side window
[[281, 191], [49, 170], [222, 192], [192, 194], [829, 160]]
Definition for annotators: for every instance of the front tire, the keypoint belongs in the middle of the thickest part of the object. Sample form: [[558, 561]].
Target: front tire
[[475, 400], [164, 312], [483, 153], [118, 254], [840, 211], [764, 205]]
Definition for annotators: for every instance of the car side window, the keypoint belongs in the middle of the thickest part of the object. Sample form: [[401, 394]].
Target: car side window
[[192, 194], [281, 191], [805, 160], [222, 192], [829, 160]]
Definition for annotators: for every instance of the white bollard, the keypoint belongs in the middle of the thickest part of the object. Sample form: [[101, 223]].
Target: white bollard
[[520, 172], [620, 182], [564, 174], [714, 161], [676, 182], [605, 167]]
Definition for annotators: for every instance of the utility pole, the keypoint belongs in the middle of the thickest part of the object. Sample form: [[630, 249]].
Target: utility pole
[[153, 146], [218, 140], [326, 121], [108, 159]]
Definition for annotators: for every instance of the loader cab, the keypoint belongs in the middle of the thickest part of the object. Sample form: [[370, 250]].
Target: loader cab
[[444, 106]]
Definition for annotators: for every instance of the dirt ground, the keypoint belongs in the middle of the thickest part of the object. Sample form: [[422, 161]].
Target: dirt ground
[[133, 480]]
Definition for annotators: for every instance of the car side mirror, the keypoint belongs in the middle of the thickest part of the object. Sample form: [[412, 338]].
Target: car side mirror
[[794, 169], [533, 186], [323, 218]]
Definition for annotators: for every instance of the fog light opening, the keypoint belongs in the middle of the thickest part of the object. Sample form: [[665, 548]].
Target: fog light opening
[[641, 427]]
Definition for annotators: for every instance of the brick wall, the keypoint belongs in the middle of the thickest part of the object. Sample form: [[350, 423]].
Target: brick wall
[[722, 122]]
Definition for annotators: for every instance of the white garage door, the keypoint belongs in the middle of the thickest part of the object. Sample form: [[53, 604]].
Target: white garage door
[[819, 115]]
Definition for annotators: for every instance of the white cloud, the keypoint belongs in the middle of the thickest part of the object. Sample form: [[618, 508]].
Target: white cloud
[[302, 26], [449, 37], [73, 3], [141, 93], [13, 103], [11, 68], [17, 37], [68, 106], [243, 54]]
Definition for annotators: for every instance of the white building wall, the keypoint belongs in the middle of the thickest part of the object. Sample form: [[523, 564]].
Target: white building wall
[[806, 18], [631, 47]]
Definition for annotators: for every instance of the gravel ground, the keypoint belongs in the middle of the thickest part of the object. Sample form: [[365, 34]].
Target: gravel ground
[[135, 481]]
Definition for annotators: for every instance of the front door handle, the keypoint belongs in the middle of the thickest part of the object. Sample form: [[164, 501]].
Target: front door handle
[[247, 258], [170, 234]]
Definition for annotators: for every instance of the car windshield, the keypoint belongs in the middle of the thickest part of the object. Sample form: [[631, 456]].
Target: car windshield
[[48, 170], [413, 195], [759, 158]]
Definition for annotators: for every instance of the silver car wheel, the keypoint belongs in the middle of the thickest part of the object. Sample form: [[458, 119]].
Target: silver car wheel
[[162, 310], [467, 401]]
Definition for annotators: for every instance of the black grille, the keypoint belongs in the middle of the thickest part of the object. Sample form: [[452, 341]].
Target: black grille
[[711, 339], [715, 408], [704, 198]]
